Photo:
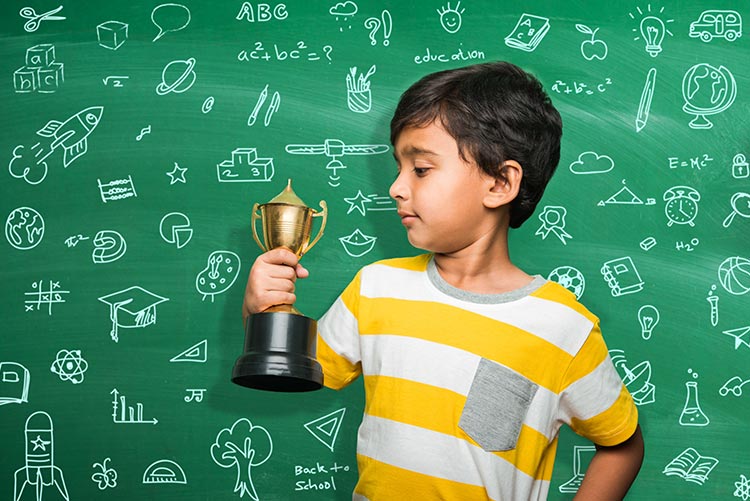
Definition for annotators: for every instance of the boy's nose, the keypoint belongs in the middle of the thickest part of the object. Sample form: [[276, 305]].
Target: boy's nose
[[398, 188]]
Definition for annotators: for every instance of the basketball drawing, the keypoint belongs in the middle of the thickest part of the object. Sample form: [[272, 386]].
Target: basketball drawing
[[734, 275]]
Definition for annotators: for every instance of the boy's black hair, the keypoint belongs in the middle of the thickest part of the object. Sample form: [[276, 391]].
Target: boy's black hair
[[495, 112]]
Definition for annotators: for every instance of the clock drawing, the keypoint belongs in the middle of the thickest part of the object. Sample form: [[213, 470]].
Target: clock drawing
[[681, 205]]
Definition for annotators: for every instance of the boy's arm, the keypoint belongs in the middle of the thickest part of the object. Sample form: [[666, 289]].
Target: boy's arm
[[612, 470]]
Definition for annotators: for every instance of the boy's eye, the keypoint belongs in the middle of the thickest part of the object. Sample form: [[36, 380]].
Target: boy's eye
[[420, 171]]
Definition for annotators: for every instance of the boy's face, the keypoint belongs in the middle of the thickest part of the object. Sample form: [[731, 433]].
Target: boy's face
[[440, 197]]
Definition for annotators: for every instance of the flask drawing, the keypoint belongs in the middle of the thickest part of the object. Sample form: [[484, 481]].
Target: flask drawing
[[692, 414]]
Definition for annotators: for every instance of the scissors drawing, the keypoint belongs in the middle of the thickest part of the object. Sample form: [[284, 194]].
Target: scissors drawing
[[34, 19]]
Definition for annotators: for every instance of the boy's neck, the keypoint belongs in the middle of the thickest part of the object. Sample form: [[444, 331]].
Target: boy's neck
[[483, 268]]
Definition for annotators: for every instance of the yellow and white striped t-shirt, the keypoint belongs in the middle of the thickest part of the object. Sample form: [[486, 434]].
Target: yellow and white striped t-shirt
[[465, 393]]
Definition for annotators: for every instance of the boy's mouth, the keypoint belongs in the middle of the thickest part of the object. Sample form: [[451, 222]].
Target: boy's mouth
[[406, 217]]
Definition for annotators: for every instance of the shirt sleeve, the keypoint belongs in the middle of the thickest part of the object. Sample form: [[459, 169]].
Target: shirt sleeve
[[338, 349], [594, 401]]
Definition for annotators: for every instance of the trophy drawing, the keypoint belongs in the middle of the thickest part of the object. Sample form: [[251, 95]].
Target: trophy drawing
[[279, 351]]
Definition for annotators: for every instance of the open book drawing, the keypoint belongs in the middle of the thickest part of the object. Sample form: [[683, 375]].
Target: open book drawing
[[691, 466]]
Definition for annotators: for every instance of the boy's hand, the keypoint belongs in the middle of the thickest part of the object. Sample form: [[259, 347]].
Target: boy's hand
[[271, 281]]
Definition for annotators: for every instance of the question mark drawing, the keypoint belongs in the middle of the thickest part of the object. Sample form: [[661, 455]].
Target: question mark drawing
[[373, 24], [328, 49]]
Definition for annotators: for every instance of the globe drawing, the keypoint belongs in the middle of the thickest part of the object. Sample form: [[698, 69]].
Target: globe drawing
[[707, 90]]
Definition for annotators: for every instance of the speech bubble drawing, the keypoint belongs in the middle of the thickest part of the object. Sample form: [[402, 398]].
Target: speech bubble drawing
[[169, 17]]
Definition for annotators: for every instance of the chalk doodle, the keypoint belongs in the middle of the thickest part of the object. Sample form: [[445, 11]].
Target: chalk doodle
[[118, 189], [740, 167], [244, 446], [177, 76], [208, 105], [273, 107], [24, 228], [106, 477], [622, 276], [459, 54], [112, 34], [450, 17], [681, 205], [691, 466], [342, 11], [109, 246], [221, 271], [592, 48], [14, 383], [72, 135], [734, 386], [648, 318], [651, 29], [707, 90], [625, 196], [569, 277], [644, 106], [553, 221], [164, 471], [326, 428], [169, 17], [697, 162], [40, 469], [144, 131], [175, 228], [373, 202], [590, 162], [358, 95], [582, 455], [262, 13], [357, 244], [713, 301], [734, 275], [374, 24], [131, 308], [44, 296], [195, 395], [575, 87], [285, 53], [177, 174], [34, 20], [41, 73], [122, 413], [741, 336], [115, 80], [528, 33], [726, 24], [692, 414], [742, 488], [637, 379], [245, 166], [197, 353], [69, 365], [333, 149]]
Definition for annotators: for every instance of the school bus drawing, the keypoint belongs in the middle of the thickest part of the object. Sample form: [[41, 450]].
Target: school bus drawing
[[726, 24]]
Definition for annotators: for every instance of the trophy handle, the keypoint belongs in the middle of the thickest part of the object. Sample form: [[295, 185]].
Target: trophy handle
[[255, 216], [323, 213]]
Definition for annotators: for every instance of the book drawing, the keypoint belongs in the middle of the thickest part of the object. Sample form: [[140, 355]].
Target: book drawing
[[622, 276], [691, 466], [527, 34]]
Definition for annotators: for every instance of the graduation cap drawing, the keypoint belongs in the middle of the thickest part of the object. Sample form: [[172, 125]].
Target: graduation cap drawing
[[131, 308]]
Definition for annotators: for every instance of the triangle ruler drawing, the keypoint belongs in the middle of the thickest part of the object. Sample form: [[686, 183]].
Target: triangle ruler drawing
[[326, 428], [196, 353]]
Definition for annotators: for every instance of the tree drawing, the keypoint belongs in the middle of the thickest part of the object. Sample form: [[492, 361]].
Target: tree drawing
[[242, 446]]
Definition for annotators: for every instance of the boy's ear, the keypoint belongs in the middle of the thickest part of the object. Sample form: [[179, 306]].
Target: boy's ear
[[506, 185]]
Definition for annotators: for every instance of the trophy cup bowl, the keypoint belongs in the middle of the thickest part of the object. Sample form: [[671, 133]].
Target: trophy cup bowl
[[280, 348]]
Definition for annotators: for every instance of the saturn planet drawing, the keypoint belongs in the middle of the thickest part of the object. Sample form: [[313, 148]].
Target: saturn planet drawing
[[184, 71]]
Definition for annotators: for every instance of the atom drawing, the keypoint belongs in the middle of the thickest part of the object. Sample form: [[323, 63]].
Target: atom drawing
[[742, 488], [70, 366], [184, 73]]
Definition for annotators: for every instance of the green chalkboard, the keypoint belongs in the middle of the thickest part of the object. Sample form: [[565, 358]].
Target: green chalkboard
[[138, 135]]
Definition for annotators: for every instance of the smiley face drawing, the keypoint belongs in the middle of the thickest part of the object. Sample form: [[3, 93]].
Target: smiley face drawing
[[450, 17]]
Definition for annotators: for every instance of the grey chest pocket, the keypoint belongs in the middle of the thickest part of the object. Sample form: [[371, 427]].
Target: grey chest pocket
[[496, 406]]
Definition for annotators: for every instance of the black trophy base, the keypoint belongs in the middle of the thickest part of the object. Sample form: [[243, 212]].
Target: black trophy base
[[279, 354]]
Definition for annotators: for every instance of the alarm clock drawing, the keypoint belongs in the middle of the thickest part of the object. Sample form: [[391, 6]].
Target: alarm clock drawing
[[681, 205]]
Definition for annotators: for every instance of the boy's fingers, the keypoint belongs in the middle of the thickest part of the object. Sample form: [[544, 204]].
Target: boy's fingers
[[279, 255], [301, 271]]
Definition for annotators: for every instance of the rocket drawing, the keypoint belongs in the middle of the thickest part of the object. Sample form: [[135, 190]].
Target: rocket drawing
[[70, 134], [40, 470]]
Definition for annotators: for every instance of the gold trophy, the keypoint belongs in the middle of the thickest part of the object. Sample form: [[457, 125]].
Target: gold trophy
[[280, 341]]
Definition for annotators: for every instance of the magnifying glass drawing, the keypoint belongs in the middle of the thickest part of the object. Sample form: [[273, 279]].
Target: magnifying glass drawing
[[740, 205]]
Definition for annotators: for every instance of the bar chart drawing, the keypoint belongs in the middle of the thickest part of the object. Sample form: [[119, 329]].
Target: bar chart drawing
[[124, 414]]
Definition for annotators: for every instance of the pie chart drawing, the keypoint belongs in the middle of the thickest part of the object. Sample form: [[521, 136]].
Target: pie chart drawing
[[175, 229], [184, 70]]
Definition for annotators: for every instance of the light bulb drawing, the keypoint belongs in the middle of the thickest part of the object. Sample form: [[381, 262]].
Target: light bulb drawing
[[648, 317], [652, 28]]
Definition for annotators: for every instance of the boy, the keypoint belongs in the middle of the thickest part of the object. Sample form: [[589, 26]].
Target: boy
[[470, 365]]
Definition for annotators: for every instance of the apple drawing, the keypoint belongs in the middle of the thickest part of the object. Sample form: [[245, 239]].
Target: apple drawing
[[592, 48]]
